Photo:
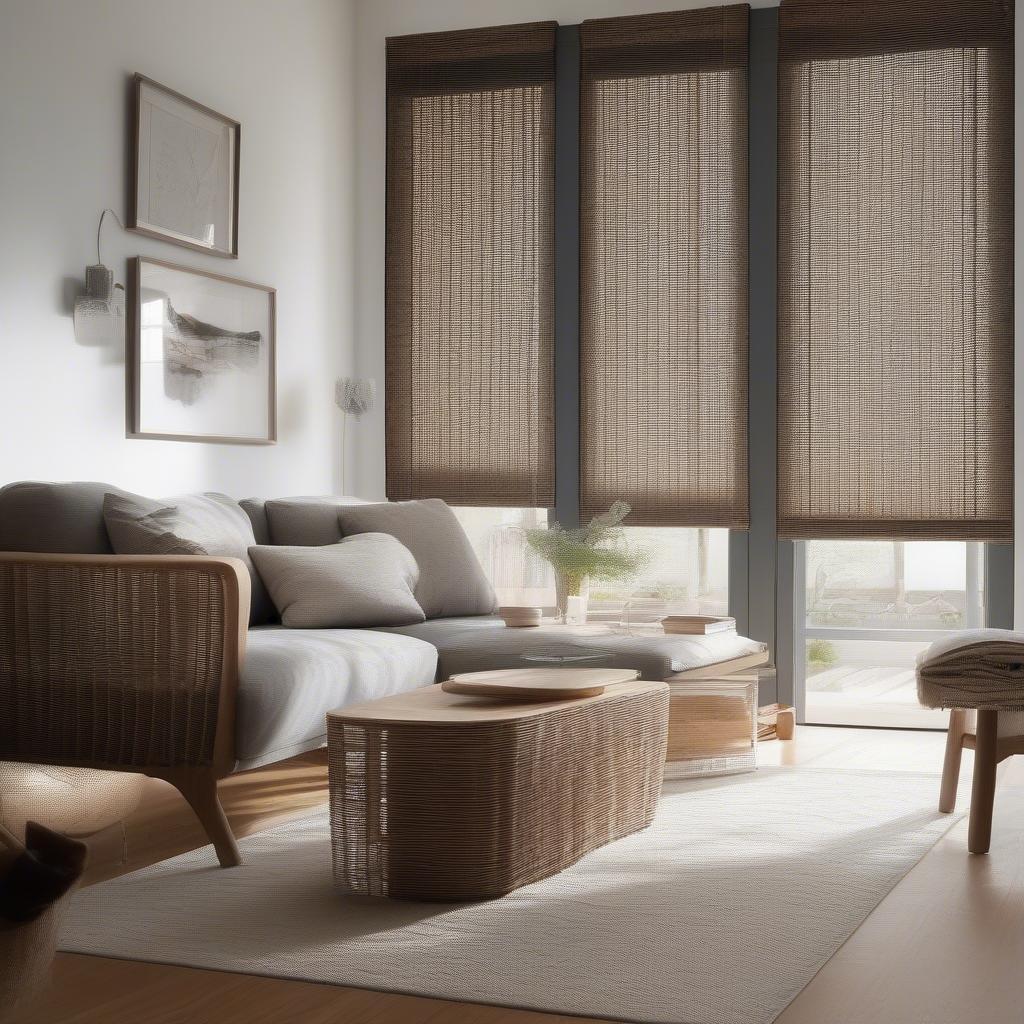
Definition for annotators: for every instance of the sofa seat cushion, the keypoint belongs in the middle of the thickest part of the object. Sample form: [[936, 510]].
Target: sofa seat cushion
[[291, 678], [480, 643]]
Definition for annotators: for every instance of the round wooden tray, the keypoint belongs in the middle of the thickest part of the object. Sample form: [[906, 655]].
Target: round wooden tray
[[538, 683]]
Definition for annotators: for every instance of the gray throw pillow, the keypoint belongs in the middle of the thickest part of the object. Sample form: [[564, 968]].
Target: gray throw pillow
[[64, 517], [305, 522], [452, 581], [194, 524], [360, 581]]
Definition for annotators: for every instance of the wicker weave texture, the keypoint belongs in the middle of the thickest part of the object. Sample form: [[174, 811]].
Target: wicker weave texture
[[663, 267], [470, 266], [895, 370], [112, 663], [442, 812]]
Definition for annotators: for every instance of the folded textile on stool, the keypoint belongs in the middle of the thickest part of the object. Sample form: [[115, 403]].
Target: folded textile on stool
[[978, 668]]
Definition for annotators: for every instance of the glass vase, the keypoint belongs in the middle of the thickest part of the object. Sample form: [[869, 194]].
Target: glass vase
[[570, 585]]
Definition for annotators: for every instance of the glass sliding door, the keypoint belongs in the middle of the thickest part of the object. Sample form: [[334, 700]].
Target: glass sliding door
[[864, 610]]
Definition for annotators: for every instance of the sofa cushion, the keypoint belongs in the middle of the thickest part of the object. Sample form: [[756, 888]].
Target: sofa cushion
[[193, 524], [256, 510], [483, 642], [452, 581], [66, 518], [302, 521], [366, 580], [291, 678]]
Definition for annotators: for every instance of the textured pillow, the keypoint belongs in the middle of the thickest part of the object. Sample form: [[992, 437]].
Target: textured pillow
[[194, 524], [452, 581], [361, 581], [256, 510], [303, 522]]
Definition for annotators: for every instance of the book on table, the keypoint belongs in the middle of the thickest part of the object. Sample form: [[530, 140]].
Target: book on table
[[698, 625]]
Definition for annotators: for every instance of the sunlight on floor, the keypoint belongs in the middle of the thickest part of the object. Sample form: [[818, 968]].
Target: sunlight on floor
[[869, 695]]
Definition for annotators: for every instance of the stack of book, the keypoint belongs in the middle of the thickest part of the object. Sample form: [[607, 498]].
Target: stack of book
[[698, 625]]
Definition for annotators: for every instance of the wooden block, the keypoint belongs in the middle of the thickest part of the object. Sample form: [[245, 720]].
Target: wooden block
[[776, 721], [707, 725], [785, 723]]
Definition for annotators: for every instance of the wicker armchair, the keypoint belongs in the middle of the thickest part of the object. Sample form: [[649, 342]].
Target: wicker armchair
[[126, 663]]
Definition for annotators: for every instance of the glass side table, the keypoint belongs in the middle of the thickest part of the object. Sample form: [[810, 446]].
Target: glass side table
[[712, 726], [563, 656]]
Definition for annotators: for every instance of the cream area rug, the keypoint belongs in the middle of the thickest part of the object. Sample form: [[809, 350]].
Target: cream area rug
[[719, 913]]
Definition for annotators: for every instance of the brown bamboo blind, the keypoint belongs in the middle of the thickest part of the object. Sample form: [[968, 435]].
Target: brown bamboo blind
[[895, 269], [663, 267], [469, 276]]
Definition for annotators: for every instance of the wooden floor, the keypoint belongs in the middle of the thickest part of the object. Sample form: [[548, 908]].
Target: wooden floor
[[945, 947]]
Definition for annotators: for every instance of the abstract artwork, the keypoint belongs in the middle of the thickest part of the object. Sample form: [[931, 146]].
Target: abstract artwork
[[185, 163], [202, 359]]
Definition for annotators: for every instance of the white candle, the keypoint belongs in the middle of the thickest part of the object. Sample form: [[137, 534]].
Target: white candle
[[574, 610]]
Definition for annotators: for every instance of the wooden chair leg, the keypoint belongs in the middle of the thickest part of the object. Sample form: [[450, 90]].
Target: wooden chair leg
[[201, 793], [986, 757], [951, 765]]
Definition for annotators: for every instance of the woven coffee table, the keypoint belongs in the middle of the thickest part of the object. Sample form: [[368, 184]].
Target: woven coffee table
[[443, 796]]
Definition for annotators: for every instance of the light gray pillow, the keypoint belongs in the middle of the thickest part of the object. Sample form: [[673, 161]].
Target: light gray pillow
[[360, 581], [193, 524], [452, 581]]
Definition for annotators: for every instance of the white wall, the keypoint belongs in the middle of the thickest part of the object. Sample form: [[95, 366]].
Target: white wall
[[284, 70], [375, 21]]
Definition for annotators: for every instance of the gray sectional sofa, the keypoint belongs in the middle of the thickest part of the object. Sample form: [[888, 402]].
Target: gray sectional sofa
[[150, 663]]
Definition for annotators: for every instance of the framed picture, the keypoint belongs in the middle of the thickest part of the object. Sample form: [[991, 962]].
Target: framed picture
[[184, 171], [201, 363]]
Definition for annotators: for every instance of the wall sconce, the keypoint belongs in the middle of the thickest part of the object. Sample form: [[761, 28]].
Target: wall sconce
[[99, 313], [353, 397]]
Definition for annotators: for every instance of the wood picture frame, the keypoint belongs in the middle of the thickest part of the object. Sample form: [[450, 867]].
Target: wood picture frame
[[184, 170], [200, 347]]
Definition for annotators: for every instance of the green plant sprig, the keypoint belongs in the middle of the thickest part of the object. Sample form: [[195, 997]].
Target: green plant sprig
[[596, 551]]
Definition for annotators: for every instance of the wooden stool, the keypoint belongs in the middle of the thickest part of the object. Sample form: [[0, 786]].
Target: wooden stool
[[978, 730], [980, 676]]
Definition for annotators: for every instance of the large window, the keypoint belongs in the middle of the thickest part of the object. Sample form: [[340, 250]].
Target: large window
[[516, 573], [868, 609], [687, 570], [687, 573]]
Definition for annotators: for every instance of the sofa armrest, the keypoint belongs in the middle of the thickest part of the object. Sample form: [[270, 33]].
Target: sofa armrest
[[124, 662]]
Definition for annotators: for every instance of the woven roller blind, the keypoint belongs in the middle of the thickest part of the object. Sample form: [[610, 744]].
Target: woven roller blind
[[895, 269], [469, 349], [663, 265]]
